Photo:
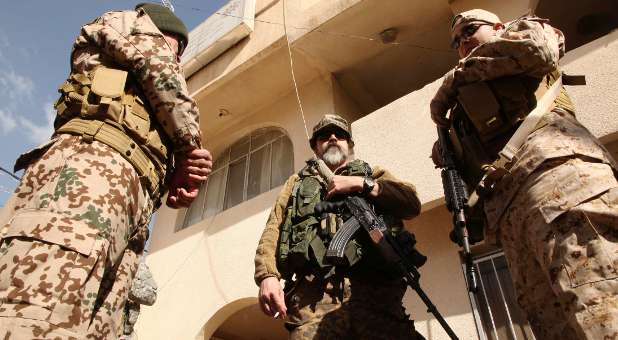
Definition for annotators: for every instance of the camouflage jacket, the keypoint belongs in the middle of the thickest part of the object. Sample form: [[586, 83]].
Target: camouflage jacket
[[395, 197], [525, 46], [131, 40], [532, 47]]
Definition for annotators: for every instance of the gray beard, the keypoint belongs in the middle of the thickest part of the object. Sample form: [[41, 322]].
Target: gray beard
[[334, 156]]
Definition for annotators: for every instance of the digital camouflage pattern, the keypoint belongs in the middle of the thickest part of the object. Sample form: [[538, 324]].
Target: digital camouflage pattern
[[565, 270], [71, 245], [130, 39], [525, 46], [556, 214], [348, 309]]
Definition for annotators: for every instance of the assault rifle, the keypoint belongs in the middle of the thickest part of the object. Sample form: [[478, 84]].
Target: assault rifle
[[456, 197], [406, 259]]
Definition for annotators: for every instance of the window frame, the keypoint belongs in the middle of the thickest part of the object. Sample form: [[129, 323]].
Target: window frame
[[225, 167], [474, 299]]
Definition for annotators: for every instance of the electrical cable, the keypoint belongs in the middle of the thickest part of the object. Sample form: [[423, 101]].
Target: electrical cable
[[343, 35]]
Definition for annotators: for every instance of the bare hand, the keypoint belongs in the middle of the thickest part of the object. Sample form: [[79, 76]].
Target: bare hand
[[197, 165], [343, 185], [191, 170], [443, 100], [271, 298], [181, 193]]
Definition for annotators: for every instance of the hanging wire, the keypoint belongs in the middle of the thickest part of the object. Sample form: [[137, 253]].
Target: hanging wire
[[338, 34], [287, 40], [10, 174], [168, 4]]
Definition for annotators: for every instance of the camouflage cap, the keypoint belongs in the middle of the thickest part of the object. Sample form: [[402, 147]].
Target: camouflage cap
[[330, 121], [166, 21], [474, 15]]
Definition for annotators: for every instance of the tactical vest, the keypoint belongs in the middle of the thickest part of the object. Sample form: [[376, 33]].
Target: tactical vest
[[488, 113], [304, 236], [108, 106]]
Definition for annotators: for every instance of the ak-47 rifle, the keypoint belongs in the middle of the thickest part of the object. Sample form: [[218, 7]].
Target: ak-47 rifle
[[456, 196], [362, 215]]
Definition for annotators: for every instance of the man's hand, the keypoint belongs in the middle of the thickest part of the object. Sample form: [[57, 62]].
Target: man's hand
[[271, 297], [443, 100], [436, 154], [192, 169], [197, 165], [344, 185]]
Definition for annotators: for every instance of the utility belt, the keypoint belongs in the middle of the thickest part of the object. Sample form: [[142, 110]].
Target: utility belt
[[101, 106]]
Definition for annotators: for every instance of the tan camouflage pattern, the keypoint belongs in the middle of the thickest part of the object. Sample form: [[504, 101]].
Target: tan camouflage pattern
[[565, 271], [130, 39], [556, 214], [333, 309], [560, 137], [396, 197], [525, 46], [474, 15], [70, 246]]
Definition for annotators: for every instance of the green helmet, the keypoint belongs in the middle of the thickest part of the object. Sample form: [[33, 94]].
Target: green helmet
[[166, 21], [330, 121]]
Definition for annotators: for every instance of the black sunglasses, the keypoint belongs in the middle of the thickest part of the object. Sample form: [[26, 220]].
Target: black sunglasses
[[339, 134], [466, 33]]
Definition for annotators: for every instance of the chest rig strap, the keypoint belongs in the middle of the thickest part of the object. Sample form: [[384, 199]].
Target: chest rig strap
[[104, 105], [497, 170]]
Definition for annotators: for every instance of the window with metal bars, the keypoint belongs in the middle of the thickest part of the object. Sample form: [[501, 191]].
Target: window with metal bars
[[256, 163], [496, 312]]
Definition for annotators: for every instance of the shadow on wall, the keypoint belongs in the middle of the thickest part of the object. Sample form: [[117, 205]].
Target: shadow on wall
[[442, 276], [243, 319]]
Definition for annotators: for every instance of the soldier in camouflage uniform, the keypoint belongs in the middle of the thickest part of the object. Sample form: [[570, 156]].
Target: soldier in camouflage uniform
[[553, 206], [126, 132], [360, 302]]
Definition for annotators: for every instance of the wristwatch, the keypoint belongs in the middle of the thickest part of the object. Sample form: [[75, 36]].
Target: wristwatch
[[368, 184]]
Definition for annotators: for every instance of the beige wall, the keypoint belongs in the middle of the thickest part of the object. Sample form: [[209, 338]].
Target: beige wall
[[441, 278], [207, 268], [213, 260], [597, 102]]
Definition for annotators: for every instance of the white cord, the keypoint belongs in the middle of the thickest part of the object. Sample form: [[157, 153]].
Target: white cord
[[287, 39]]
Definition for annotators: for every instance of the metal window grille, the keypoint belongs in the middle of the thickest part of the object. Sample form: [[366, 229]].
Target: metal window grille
[[497, 315], [234, 180]]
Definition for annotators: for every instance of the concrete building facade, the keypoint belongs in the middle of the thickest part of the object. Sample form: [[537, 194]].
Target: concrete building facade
[[377, 63]]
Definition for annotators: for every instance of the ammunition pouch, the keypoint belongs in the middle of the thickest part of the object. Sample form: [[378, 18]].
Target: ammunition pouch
[[497, 107], [107, 106], [304, 236], [488, 114]]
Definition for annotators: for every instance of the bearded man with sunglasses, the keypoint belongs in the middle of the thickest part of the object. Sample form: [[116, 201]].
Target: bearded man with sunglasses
[[544, 184], [359, 301], [126, 133]]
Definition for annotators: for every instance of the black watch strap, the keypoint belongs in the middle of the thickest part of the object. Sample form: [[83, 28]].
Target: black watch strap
[[368, 184]]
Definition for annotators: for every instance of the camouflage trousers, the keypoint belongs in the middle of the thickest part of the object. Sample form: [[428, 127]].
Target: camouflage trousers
[[336, 309], [70, 245], [565, 269]]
